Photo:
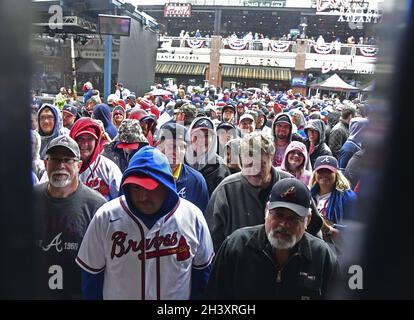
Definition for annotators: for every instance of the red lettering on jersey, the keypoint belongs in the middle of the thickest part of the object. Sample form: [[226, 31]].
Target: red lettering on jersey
[[182, 250]]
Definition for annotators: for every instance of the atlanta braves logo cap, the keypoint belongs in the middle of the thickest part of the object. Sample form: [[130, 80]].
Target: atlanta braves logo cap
[[66, 142], [327, 162], [292, 194], [203, 123]]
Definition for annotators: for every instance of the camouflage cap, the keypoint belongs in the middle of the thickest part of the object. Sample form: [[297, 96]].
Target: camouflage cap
[[94, 99], [130, 134], [189, 110]]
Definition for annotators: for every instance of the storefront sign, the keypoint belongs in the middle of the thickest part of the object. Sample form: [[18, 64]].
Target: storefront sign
[[179, 10], [264, 3], [183, 57], [328, 66]]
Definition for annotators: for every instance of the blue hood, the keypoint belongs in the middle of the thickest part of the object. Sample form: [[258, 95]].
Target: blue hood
[[103, 112], [151, 162]]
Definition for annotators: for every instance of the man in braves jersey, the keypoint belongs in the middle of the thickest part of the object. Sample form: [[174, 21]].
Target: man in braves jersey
[[97, 171], [149, 243], [63, 210], [189, 182]]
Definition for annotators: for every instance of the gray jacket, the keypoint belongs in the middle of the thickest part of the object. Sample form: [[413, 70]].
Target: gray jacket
[[235, 204]]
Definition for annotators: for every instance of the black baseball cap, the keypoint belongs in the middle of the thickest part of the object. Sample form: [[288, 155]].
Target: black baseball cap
[[292, 194]]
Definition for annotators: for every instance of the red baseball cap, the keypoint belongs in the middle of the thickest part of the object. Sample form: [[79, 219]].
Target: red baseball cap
[[143, 181], [124, 145], [87, 132]]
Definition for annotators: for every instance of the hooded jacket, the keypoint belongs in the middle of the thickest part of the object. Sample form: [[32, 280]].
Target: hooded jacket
[[302, 174], [103, 112], [354, 143], [147, 161], [338, 136], [176, 242], [321, 148], [292, 137], [117, 108], [100, 173], [58, 129], [209, 164], [139, 114]]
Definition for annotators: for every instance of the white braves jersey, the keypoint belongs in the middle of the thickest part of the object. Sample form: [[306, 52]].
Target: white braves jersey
[[157, 268], [104, 176]]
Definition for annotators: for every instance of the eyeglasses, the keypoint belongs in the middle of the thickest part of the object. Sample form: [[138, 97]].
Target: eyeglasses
[[48, 118], [291, 219], [67, 161]]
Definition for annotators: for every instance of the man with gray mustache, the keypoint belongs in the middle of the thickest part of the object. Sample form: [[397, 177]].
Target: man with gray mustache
[[63, 209], [278, 259]]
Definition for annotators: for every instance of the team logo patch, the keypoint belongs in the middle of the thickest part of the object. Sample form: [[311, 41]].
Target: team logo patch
[[291, 192]]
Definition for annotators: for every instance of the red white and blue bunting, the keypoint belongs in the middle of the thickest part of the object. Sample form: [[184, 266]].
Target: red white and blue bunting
[[323, 48], [368, 52], [279, 46], [195, 43], [237, 44]]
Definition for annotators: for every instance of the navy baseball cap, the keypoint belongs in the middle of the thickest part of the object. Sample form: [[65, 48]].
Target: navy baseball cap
[[327, 162], [292, 194], [229, 106], [172, 130], [70, 109], [226, 126], [203, 123]]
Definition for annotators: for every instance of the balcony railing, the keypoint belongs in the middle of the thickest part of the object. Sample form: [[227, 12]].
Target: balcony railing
[[271, 45]]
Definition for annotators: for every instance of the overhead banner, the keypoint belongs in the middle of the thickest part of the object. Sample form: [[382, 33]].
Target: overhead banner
[[177, 10]]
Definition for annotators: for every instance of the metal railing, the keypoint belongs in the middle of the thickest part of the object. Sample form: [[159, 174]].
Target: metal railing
[[267, 45]]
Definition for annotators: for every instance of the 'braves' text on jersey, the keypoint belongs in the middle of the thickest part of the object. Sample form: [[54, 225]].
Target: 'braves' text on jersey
[[142, 263]]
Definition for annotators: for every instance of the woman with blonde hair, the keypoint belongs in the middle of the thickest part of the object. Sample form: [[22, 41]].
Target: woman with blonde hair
[[333, 197]]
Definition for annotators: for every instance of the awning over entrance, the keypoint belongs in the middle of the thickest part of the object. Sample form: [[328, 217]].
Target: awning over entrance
[[250, 72], [181, 68]]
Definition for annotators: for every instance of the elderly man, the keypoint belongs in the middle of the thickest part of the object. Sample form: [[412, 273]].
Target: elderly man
[[63, 210], [240, 199], [277, 260]]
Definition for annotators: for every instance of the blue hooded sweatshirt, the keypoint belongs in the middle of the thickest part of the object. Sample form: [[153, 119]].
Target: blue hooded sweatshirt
[[103, 112], [153, 163]]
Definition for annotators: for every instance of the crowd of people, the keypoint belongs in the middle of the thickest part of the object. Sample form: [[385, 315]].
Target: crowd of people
[[195, 193]]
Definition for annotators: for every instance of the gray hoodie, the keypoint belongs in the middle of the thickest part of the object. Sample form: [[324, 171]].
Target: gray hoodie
[[321, 148]]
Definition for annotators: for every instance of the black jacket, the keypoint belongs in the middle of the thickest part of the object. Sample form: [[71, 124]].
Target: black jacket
[[245, 269], [214, 174]]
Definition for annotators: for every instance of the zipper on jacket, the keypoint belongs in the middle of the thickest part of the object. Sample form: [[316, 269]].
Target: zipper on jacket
[[279, 271]]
